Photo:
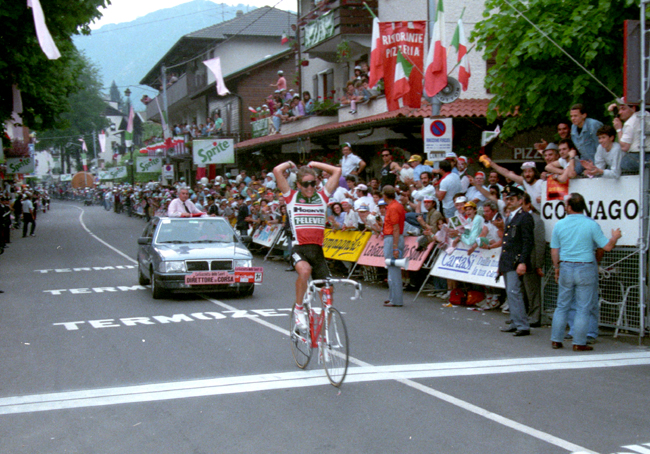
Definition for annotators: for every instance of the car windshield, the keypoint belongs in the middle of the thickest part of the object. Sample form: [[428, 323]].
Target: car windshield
[[208, 230]]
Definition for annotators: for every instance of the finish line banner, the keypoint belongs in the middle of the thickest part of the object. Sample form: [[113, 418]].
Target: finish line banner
[[479, 268], [373, 254], [346, 246]]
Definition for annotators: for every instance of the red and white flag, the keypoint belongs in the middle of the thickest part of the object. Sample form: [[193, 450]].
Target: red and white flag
[[102, 141], [128, 135], [84, 159], [214, 65], [460, 43], [401, 86], [285, 38], [42, 33], [376, 57], [435, 73]]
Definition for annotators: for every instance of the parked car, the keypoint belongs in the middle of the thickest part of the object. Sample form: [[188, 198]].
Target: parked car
[[195, 255]]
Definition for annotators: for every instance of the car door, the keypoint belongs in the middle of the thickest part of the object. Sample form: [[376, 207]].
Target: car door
[[145, 251]]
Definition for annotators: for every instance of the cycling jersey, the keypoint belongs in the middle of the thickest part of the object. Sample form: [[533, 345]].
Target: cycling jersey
[[308, 216]]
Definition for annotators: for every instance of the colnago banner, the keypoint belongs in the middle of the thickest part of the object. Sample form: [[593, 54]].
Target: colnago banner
[[148, 164], [611, 202], [112, 173], [213, 151], [346, 246], [481, 267], [373, 254], [20, 165], [408, 39]]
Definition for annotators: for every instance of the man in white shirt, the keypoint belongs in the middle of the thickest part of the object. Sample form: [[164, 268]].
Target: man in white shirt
[[449, 186], [628, 128], [182, 207], [28, 214], [351, 164], [473, 194], [364, 199], [529, 179]]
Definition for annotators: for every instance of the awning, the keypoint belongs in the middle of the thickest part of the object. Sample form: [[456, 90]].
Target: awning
[[470, 107]]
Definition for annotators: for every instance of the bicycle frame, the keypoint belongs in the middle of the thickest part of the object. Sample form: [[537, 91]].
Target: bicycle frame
[[326, 294]]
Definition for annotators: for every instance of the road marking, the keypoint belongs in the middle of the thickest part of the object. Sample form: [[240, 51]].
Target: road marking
[[285, 380], [81, 221], [85, 268]]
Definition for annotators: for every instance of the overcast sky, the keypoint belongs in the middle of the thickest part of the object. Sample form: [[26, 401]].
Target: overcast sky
[[127, 10]]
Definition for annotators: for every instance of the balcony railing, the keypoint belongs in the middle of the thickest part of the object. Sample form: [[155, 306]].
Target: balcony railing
[[336, 18]]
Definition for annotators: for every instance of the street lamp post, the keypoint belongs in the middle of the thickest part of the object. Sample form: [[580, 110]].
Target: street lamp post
[[127, 93]]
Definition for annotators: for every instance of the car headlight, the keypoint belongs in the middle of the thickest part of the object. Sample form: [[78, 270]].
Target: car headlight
[[177, 266], [242, 263]]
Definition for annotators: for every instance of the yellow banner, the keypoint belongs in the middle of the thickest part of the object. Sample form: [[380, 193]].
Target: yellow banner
[[346, 246]]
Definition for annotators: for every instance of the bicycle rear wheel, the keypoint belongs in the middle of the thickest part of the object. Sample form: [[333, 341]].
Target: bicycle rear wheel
[[300, 343], [335, 348]]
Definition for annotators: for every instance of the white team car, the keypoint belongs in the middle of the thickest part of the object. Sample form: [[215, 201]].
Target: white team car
[[187, 255]]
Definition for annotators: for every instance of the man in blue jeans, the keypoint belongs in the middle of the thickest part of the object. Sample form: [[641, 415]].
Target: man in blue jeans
[[573, 250]]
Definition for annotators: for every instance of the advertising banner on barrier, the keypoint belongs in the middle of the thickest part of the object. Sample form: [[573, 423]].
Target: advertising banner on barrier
[[373, 254], [267, 235], [346, 246], [611, 202], [148, 164], [479, 268], [112, 173]]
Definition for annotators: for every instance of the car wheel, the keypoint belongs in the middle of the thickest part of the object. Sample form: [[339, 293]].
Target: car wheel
[[246, 291], [142, 280], [156, 291]]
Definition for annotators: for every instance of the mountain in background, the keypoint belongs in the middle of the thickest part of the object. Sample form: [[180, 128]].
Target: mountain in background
[[126, 52]]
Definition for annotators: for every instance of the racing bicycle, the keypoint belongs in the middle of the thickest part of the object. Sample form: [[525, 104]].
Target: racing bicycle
[[327, 330]]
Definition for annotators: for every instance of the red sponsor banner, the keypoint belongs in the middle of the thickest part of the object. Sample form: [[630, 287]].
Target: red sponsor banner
[[373, 254], [408, 37], [556, 190]]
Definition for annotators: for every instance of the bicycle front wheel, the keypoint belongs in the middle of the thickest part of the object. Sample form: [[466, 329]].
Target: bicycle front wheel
[[300, 343], [335, 348]]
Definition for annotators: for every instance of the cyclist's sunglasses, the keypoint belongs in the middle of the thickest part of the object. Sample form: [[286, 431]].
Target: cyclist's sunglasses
[[306, 184]]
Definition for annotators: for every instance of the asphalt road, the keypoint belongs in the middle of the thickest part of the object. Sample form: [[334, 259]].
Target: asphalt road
[[92, 364]]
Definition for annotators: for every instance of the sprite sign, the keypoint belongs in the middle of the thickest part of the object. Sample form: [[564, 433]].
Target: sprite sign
[[148, 164], [20, 165], [113, 173], [215, 151]]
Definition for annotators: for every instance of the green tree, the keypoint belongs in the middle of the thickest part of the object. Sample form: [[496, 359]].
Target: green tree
[[84, 117], [45, 84], [533, 82]]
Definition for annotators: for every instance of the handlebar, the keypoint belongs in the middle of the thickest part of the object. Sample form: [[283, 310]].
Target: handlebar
[[328, 281]]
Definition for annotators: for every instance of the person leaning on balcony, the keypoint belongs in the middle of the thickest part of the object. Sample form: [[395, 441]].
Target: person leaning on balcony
[[308, 103], [218, 124], [281, 84]]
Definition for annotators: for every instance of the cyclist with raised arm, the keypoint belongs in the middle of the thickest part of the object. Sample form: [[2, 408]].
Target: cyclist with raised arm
[[307, 210]]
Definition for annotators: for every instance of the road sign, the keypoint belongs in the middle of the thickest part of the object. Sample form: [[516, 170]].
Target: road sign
[[437, 138]]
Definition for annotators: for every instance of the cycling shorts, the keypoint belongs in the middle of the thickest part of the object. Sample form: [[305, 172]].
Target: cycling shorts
[[312, 254]]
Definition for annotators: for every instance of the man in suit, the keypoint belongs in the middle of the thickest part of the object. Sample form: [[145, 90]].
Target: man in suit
[[515, 259], [532, 280]]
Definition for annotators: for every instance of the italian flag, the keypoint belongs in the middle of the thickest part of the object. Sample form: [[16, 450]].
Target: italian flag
[[401, 86], [435, 74], [128, 135], [376, 60], [285, 38], [460, 43]]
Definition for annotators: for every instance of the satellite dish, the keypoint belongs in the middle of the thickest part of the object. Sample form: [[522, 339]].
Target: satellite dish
[[450, 93]]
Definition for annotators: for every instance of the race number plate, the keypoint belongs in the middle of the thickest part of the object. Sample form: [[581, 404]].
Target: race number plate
[[241, 275]]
